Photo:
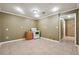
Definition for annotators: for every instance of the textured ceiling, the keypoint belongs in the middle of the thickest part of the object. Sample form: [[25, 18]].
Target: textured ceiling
[[43, 7]]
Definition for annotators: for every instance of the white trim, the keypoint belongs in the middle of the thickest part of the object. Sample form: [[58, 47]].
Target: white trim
[[75, 27], [64, 27], [1, 43], [61, 20], [69, 37], [49, 39], [78, 48], [59, 26], [16, 14], [38, 18], [57, 13]]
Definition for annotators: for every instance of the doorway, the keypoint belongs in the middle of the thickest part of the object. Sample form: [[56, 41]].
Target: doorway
[[68, 28]]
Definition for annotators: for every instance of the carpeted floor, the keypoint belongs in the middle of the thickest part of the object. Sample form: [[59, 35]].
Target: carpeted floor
[[38, 47]]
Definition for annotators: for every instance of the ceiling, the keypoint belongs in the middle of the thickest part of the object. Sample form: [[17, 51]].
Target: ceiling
[[43, 7], [68, 16]]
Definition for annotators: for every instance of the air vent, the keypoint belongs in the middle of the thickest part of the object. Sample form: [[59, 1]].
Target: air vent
[[43, 12]]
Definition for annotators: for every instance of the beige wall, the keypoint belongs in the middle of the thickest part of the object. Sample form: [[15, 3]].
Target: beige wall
[[0, 30], [46, 25], [77, 26], [70, 27], [49, 27], [16, 26], [61, 29]]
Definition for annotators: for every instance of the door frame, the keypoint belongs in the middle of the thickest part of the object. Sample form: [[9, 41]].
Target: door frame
[[64, 27]]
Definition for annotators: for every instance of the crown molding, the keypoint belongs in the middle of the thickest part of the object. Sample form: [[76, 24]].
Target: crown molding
[[58, 13], [38, 18], [16, 14]]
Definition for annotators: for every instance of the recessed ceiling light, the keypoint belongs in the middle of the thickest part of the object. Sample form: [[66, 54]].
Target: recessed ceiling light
[[55, 9], [69, 16], [36, 15], [35, 10], [19, 9]]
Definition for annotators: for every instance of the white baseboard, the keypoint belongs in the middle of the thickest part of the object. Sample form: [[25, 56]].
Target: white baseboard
[[68, 37], [1, 43], [49, 39], [78, 48]]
